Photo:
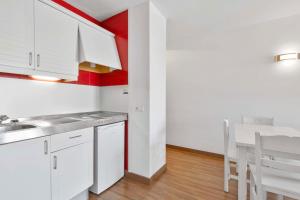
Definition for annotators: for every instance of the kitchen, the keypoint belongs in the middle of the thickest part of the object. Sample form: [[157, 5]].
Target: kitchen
[[123, 100]]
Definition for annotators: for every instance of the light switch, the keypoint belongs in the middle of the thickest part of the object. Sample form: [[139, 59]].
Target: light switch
[[125, 91]]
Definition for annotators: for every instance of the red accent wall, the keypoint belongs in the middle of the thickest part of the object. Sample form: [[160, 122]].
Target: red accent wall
[[118, 24]]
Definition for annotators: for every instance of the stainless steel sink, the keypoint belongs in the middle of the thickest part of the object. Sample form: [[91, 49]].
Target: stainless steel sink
[[15, 127], [98, 116], [62, 121], [51, 121], [83, 117], [88, 117]]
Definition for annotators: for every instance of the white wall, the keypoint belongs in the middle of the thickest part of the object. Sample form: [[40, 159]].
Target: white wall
[[146, 90], [24, 98], [114, 98], [230, 74]]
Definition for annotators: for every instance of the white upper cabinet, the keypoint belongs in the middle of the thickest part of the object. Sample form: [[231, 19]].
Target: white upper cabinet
[[16, 33], [56, 37], [98, 47], [39, 37]]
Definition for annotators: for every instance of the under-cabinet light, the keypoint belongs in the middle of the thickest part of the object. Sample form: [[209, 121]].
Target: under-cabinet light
[[45, 78]]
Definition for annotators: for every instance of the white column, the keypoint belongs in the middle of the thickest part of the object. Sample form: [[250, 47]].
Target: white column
[[147, 89]]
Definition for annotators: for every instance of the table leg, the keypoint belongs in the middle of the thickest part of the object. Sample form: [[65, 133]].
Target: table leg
[[242, 170]]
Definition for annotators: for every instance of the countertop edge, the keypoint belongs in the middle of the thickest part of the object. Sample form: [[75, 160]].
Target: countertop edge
[[38, 132]]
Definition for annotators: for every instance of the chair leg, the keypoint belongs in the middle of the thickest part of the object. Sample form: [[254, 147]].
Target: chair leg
[[251, 188], [226, 182], [226, 175], [280, 197], [265, 195], [226, 186]]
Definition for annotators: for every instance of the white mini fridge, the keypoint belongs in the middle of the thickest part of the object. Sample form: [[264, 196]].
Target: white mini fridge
[[109, 156]]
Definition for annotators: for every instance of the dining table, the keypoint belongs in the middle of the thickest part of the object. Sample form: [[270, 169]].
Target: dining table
[[245, 144]]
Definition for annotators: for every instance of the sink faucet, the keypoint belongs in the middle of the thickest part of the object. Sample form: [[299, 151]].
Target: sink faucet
[[3, 118]]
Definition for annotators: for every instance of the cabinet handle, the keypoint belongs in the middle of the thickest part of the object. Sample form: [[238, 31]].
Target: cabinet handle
[[38, 60], [46, 147], [77, 136], [30, 58], [55, 162]]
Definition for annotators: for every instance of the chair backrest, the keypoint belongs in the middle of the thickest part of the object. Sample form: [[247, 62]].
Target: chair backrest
[[285, 151], [258, 120], [226, 137]]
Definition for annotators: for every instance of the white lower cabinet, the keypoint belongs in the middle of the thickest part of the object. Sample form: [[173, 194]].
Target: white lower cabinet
[[58, 167], [72, 167], [25, 170]]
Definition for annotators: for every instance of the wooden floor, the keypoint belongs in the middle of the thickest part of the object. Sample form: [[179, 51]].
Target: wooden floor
[[189, 176]]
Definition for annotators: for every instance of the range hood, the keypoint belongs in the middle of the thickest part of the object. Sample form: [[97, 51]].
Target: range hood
[[97, 46]]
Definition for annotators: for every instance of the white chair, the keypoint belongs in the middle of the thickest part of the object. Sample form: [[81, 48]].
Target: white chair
[[280, 176], [229, 155], [258, 120]]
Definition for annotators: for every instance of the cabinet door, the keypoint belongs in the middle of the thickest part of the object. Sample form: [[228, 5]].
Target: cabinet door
[[98, 47], [25, 170], [110, 157], [72, 171], [16, 33], [56, 39]]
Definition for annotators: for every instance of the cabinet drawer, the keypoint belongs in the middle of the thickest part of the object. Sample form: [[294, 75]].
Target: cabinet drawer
[[65, 140]]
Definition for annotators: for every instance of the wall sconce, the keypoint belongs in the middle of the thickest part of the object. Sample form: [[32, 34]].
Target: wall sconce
[[287, 56]]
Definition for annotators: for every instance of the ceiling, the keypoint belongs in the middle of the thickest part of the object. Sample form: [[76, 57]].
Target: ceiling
[[103, 9], [190, 19]]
